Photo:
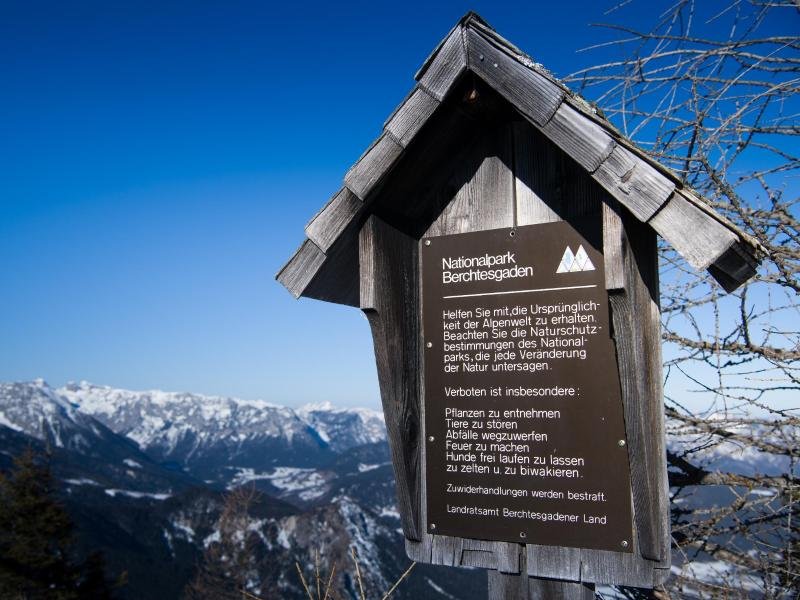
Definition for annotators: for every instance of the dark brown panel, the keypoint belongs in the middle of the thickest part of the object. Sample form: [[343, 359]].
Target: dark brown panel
[[522, 398]]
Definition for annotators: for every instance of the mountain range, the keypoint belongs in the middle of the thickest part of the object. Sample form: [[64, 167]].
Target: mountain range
[[146, 476]]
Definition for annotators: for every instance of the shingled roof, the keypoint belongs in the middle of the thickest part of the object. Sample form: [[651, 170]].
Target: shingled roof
[[325, 266]]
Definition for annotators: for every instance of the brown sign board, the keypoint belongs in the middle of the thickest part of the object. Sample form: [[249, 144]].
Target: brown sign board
[[525, 434]]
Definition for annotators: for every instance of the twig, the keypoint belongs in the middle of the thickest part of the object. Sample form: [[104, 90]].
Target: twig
[[396, 583], [303, 581], [330, 580], [358, 573], [316, 569]]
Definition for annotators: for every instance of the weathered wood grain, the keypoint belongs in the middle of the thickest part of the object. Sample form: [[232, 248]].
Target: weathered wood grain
[[635, 316], [445, 66], [373, 165], [549, 589], [581, 138], [328, 224], [390, 299], [613, 245], [411, 115], [503, 585], [475, 207], [415, 191], [549, 185], [476, 553], [616, 568], [554, 562], [530, 92], [640, 188], [301, 268], [537, 184], [697, 236]]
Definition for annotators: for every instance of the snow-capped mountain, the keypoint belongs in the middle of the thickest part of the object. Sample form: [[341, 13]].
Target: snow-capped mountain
[[217, 438], [39, 412], [34, 415], [345, 428], [146, 477]]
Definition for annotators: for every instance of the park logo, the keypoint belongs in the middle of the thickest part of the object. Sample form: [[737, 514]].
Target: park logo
[[572, 263]]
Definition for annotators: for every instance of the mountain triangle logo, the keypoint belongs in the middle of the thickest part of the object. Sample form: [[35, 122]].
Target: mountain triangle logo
[[572, 263]]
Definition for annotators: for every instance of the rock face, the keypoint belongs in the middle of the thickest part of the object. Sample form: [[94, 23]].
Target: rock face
[[146, 477]]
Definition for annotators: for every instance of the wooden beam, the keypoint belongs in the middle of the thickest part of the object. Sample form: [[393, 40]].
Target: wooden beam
[[390, 299], [515, 587], [328, 224], [694, 234], [581, 138], [614, 245], [533, 94], [298, 272], [373, 165], [445, 66], [641, 188], [411, 115], [636, 325]]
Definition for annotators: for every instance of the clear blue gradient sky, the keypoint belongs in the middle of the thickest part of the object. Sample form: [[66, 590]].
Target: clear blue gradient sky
[[159, 160]]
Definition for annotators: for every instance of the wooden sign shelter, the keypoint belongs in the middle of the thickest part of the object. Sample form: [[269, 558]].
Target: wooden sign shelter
[[499, 224]]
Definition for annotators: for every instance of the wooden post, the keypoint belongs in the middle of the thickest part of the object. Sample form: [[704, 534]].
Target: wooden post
[[513, 586], [487, 141]]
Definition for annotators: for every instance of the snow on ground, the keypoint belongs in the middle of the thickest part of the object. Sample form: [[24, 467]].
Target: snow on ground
[[716, 571], [389, 511], [362, 468], [134, 494], [185, 529], [287, 479], [81, 481], [6, 423], [439, 590]]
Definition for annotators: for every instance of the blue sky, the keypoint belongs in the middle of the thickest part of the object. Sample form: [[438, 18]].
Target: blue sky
[[159, 162]]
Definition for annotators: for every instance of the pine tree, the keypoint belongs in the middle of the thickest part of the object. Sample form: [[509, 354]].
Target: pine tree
[[36, 539]]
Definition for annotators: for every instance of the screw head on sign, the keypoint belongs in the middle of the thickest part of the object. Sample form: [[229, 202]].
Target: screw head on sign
[[621, 443], [523, 535], [624, 543], [429, 344], [431, 438], [433, 525], [427, 242]]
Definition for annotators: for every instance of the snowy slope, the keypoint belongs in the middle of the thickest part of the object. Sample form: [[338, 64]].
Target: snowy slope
[[345, 428]]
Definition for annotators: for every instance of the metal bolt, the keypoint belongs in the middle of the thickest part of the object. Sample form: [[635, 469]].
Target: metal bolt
[[495, 65], [621, 443], [427, 242], [480, 56], [429, 344], [431, 438], [523, 535], [512, 233], [433, 525], [624, 543]]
